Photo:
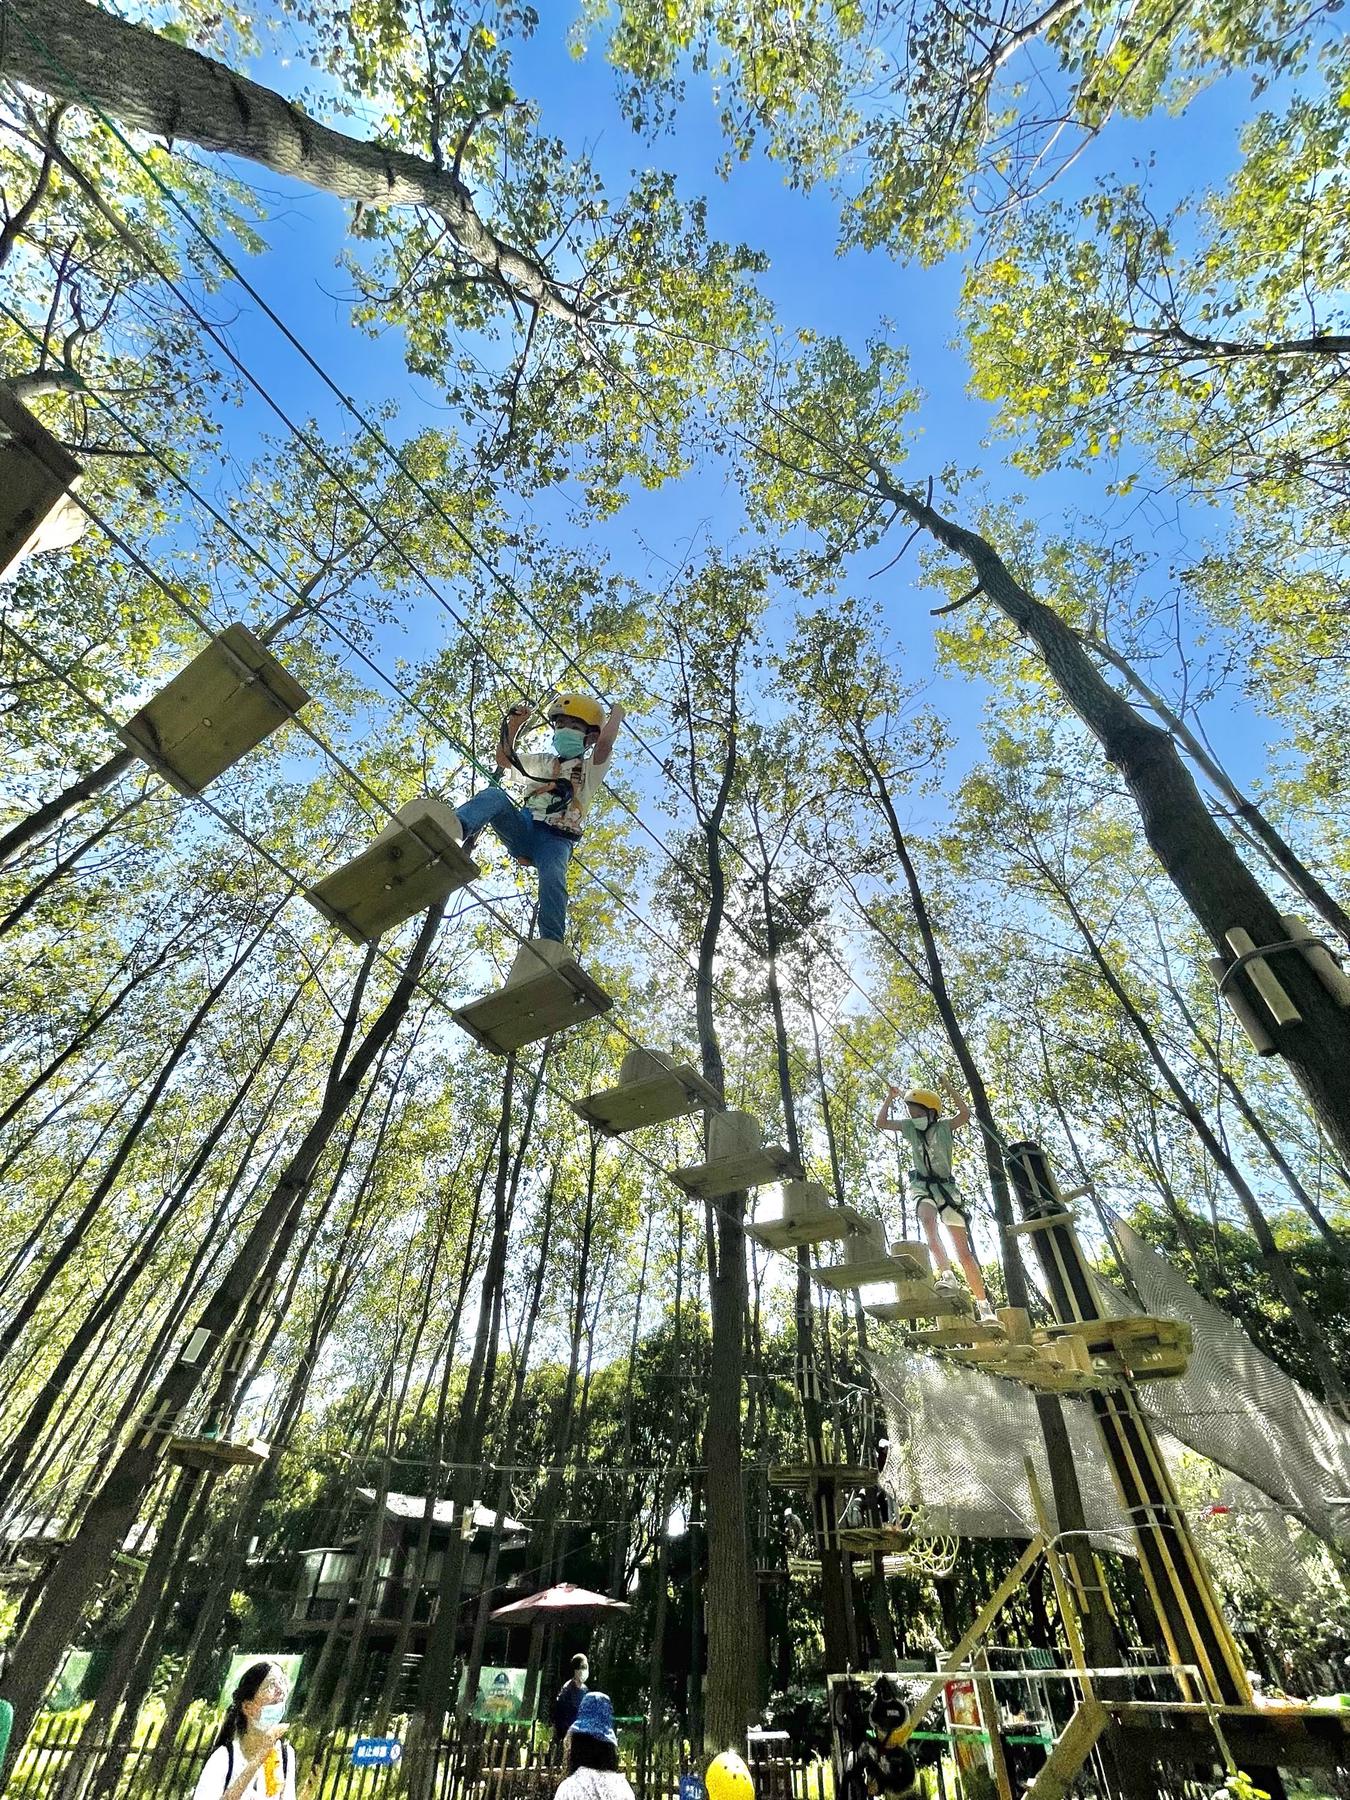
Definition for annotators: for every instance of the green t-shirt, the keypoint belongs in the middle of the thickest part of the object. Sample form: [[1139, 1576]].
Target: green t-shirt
[[930, 1146]]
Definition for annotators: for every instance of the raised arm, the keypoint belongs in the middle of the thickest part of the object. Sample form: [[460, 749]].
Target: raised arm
[[604, 744], [884, 1120], [512, 726], [961, 1116]]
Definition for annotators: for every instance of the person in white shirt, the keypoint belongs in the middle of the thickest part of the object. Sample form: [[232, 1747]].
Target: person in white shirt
[[545, 828], [250, 1759], [593, 1771]]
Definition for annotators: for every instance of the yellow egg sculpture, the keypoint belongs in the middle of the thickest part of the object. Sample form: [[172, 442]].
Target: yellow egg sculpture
[[729, 1779]]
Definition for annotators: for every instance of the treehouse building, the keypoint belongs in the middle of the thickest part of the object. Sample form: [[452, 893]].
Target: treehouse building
[[330, 1577]]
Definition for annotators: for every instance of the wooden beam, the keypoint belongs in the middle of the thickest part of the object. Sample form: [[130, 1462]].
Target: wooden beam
[[992, 1607], [1070, 1751]]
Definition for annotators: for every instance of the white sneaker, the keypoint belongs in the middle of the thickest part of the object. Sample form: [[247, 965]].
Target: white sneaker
[[951, 1287]]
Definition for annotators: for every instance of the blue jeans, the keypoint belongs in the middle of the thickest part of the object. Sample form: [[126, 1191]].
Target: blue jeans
[[550, 851]]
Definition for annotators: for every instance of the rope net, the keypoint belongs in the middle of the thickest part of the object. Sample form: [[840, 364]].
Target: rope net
[[1235, 1406]]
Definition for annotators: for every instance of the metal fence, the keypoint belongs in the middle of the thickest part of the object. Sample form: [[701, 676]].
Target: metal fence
[[484, 1762]]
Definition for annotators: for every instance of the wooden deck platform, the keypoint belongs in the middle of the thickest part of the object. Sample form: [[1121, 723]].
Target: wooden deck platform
[[214, 1453]]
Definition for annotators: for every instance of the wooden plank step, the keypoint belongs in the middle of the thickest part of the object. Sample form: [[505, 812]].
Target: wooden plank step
[[38, 476], [729, 1174], [674, 1094], [848, 1277], [963, 1332], [806, 1475], [410, 869], [922, 1300], [525, 1011], [214, 1453], [864, 1540], [788, 1234], [231, 696]]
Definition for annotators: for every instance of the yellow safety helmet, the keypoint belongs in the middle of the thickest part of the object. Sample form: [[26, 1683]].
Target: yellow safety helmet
[[728, 1778], [577, 706], [918, 1096]]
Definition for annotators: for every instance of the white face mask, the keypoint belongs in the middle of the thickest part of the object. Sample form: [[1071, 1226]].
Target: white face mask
[[273, 1713]]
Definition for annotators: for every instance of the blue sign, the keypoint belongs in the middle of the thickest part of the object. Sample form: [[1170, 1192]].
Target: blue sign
[[692, 1788], [376, 1753]]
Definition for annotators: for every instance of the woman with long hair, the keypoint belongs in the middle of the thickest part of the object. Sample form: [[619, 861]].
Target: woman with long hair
[[249, 1759], [593, 1771]]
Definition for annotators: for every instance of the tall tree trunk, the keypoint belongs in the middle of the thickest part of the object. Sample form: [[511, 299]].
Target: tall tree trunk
[[51, 812], [438, 1668], [74, 1236], [836, 1569], [422, 1549], [82, 53], [1098, 1629], [61, 868], [503, 1494], [731, 1617], [1276, 849], [133, 1266], [113, 1509], [1276, 1264], [1197, 857]]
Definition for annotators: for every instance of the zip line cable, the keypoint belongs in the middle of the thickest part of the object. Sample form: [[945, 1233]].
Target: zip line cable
[[296, 886], [207, 624], [378, 436]]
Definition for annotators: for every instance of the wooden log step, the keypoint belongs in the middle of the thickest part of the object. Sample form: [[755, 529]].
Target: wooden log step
[[787, 1233], [673, 1094], [231, 696], [963, 1332], [848, 1277], [923, 1300]]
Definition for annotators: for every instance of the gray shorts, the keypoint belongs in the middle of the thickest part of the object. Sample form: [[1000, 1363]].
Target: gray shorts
[[941, 1194]]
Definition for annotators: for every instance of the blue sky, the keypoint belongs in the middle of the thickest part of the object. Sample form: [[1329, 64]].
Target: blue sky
[[809, 283]]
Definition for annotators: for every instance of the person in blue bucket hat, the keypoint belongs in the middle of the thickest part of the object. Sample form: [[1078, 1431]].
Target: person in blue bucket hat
[[593, 1771]]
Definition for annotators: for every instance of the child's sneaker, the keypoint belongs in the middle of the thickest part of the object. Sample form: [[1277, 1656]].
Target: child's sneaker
[[950, 1286]]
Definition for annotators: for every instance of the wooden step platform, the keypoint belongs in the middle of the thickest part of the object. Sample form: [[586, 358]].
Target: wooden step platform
[[673, 1094], [214, 1453], [820, 1228], [922, 1300], [527, 1010], [960, 1332], [38, 477], [847, 1277], [729, 1174], [867, 1540], [1142, 1347], [414, 867], [808, 1475], [229, 698]]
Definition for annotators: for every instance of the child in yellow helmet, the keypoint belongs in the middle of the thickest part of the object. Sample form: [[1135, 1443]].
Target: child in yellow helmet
[[545, 827], [930, 1140]]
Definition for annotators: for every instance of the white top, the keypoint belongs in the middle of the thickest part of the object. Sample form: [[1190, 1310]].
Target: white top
[[595, 1784], [561, 811], [216, 1776]]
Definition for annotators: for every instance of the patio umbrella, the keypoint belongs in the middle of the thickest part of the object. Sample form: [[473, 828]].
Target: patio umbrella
[[566, 1600]]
